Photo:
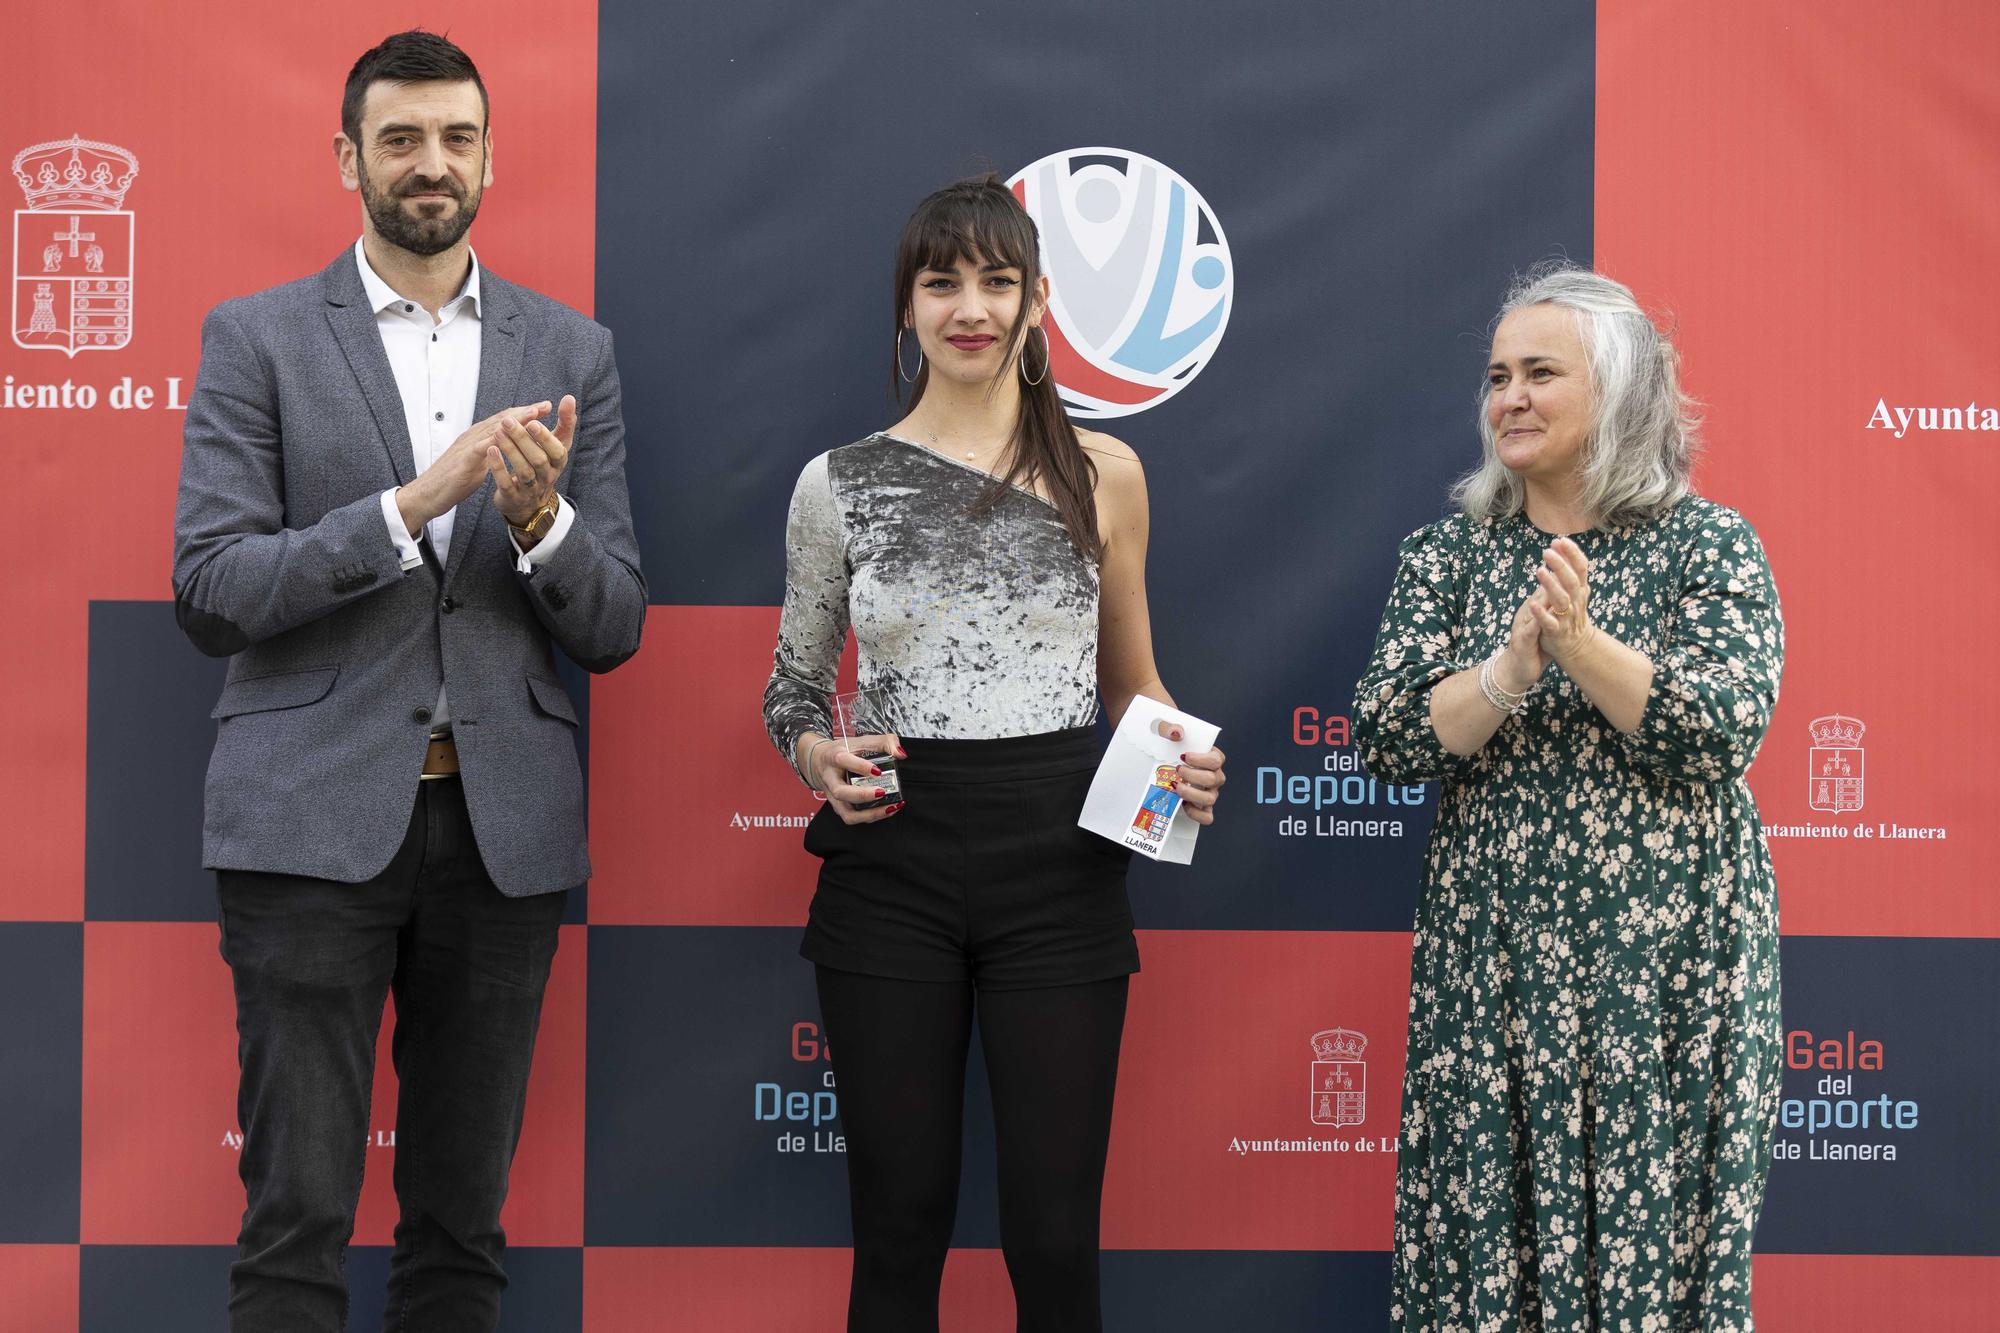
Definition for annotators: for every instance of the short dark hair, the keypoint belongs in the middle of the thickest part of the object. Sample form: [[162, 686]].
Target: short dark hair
[[415, 56]]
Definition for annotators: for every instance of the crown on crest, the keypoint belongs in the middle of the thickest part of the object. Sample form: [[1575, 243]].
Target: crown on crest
[[75, 173], [1837, 729], [1338, 1044]]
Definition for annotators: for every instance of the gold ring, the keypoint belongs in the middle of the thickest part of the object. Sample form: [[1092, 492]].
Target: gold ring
[[1557, 614]]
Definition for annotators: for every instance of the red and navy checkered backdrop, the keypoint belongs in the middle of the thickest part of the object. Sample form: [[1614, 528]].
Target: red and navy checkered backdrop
[[1330, 199]]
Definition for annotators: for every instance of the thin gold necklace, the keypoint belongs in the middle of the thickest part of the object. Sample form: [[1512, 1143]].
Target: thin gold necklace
[[970, 454]]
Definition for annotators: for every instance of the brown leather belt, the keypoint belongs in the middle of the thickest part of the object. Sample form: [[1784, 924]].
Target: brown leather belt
[[441, 758]]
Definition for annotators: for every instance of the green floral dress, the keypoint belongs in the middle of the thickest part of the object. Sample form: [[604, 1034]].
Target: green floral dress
[[1594, 1051]]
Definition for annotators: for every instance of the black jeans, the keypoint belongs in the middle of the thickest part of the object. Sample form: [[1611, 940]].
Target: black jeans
[[313, 960]]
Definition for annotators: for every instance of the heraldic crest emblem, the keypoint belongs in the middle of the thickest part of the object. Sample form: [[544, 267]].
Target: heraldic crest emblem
[[73, 247], [1834, 784], [1339, 1077]]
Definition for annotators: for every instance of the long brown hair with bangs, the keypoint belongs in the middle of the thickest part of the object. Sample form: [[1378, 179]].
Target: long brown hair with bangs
[[980, 220]]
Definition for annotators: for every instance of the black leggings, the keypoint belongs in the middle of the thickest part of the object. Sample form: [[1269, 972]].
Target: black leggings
[[898, 1051]]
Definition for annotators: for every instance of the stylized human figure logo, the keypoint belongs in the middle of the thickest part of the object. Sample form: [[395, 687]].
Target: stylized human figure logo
[[81, 299], [1141, 277]]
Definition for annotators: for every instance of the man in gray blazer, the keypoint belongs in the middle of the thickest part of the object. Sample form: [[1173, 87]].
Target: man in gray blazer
[[379, 529]]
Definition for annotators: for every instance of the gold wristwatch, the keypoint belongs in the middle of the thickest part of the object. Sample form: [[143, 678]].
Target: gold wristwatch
[[538, 524]]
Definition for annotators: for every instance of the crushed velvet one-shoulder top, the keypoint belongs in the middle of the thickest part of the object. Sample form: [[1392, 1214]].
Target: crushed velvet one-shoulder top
[[968, 625]]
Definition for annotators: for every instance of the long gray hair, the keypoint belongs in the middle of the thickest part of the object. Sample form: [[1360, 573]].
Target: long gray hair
[[1643, 434]]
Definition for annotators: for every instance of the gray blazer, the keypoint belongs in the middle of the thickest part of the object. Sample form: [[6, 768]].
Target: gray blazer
[[282, 563]]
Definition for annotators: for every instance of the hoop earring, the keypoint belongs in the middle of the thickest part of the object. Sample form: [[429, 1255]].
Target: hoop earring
[[1045, 360], [908, 379]]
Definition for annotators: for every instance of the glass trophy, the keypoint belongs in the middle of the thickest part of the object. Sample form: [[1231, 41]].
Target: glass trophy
[[860, 723]]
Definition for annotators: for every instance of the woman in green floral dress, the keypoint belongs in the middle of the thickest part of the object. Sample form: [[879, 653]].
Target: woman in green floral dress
[[1586, 657]]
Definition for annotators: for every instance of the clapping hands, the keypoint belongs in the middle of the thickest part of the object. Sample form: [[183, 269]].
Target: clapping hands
[[1560, 606], [1552, 623]]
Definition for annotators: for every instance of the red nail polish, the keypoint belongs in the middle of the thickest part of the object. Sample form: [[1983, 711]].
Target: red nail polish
[[880, 792], [874, 772], [1183, 758], [901, 753]]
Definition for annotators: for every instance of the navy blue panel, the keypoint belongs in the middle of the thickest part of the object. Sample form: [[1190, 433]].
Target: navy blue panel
[[41, 1082], [160, 1288], [544, 1289], [147, 759], [1152, 1291], [1931, 1006], [694, 1085], [1378, 170], [185, 1289]]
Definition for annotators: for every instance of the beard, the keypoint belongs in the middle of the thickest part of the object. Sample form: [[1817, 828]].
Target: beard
[[417, 234]]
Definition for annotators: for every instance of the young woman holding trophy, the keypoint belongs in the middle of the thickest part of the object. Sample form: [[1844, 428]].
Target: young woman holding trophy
[[990, 559]]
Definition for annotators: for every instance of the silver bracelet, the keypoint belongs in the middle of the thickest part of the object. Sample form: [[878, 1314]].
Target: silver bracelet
[[811, 755], [1502, 700]]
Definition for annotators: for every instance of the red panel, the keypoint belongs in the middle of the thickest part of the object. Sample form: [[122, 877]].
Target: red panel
[[159, 1099], [689, 802], [1219, 1085], [767, 1291], [41, 754], [1865, 1293], [545, 1192], [1814, 202], [159, 1087], [40, 1282], [214, 217]]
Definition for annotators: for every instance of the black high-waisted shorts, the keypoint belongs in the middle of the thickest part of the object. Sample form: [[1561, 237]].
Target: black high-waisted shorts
[[982, 876]]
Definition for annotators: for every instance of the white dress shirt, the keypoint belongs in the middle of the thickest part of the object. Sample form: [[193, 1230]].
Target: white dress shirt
[[436, 364]]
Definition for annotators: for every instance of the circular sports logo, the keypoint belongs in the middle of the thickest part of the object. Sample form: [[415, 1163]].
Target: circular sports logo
[[1141, 278]]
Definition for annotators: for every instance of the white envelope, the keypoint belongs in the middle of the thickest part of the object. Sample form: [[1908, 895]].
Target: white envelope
[[1125, 778]]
